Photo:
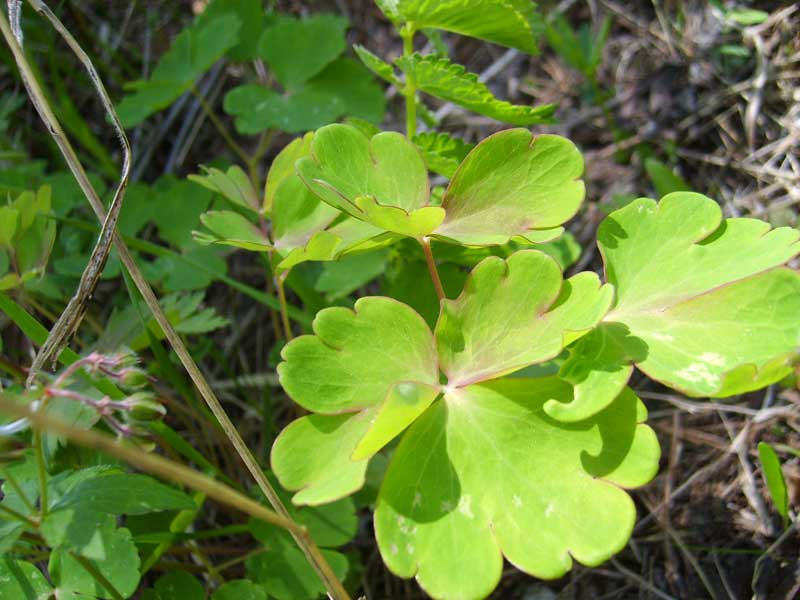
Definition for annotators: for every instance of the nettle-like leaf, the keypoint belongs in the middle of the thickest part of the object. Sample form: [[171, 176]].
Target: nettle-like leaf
[[437, 76], [442, 152], [382, 180], [190, 55], [706, 296], [487, 472], [513, 184], [344, 88], [377, 65], [513, 23]]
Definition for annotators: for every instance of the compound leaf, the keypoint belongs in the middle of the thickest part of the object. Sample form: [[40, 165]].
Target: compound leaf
[[233, 184], [297, 49], [252, 17], [381, 180], [513, 23], [190, 55], [513, 184], [500, 478], [706, 295], [437, 76], [502, 323]]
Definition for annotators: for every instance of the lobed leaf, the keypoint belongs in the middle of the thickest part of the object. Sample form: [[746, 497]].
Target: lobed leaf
[[233, 184], [502, 323], [442, 152], [705, 295], [231, 229], [513, 23], [437, 76], [500, 478], [513, 184]]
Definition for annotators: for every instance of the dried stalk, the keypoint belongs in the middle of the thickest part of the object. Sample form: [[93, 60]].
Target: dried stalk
[[310, 550]]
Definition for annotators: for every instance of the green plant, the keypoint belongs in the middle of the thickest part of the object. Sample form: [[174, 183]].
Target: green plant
[[480, 405]]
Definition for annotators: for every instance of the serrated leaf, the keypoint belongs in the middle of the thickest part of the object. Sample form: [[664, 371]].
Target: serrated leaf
[[499, 478], [124, 494], [190, 55], [21, 580], [501, 323], [513, 23], [773, 476], [375, 64], [297, 49], [233, 184], [437, 76], [343, 88], [231, 229], [442, 152], [703, 293], [356, 356], [513, 184], [382, 180]]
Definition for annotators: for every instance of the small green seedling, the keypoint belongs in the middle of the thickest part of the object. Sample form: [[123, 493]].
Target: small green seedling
[[773, 477]]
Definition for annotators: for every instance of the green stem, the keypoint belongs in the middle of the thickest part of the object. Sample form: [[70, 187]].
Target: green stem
[[18, 516], [41, 472], [434, 272], [97, 575], [7, 476], [280, 280], [220, 127], [410, 92]]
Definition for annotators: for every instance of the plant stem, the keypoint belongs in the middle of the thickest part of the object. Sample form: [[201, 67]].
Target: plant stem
[[41, 472], [437, 282], [97, 575], [220, 127], [280, 280], [410, 92], [18, 516], [40, 102], [7, 476]]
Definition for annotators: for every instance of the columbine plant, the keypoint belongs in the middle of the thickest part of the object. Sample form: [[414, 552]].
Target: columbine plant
[[509, 427]]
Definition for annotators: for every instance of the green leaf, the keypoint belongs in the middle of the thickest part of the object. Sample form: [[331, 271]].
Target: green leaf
[[250, 14], [513, 184], [239, 589], [9, 218], [746, 16], [297, 214], [704, 294], [9, 534], [513, 23], [190, 55], [178, 585], [773, 475], [125, 494], [382, 180], [312, 456], [356, 356], [442, 152], [343, 88], [502, 323], [448, 81], [20, 580], [664, 179], [342, 277], [233, 184], [297, 49], [375, 64], [282, 167], [285, 574], [231, 229], [111, 551], [499, 478]]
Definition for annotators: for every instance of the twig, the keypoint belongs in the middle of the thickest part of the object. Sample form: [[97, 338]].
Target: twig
[[317, 561]]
